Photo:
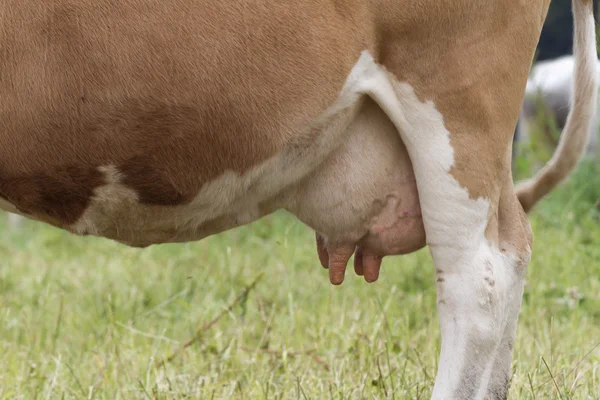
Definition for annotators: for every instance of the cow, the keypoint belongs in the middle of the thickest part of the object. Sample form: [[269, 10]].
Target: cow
[[385, 126], [15, 221], [548, 92]]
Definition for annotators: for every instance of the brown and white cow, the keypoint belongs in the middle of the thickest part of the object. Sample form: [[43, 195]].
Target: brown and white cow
[[149, 121]]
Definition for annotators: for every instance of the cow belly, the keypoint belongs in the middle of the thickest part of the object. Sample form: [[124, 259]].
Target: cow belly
[[346, 174], [365, 193], [362, 192]]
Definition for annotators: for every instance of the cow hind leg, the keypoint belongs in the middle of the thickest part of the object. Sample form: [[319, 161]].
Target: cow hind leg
[[477, 234], [513, 227], [500, 376], [479, 288]]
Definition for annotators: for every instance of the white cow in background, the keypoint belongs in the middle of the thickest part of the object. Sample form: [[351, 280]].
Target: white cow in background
[[552, 81], [14, 220]]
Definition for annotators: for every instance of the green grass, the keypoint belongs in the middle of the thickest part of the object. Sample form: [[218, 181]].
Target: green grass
[[88, 318]]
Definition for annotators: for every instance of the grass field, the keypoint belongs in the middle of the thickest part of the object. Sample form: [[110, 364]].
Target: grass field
[[88, 318]]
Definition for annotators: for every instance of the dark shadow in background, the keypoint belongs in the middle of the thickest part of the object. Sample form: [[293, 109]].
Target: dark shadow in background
[[556, 38]]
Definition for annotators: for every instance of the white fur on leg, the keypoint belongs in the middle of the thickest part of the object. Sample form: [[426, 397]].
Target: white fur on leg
[[501, 370], [476, 295]]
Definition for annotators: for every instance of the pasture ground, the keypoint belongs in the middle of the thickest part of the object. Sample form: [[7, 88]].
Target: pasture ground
[[88, 318]]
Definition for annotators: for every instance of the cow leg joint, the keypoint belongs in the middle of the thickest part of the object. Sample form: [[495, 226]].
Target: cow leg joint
[[478, 294]]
